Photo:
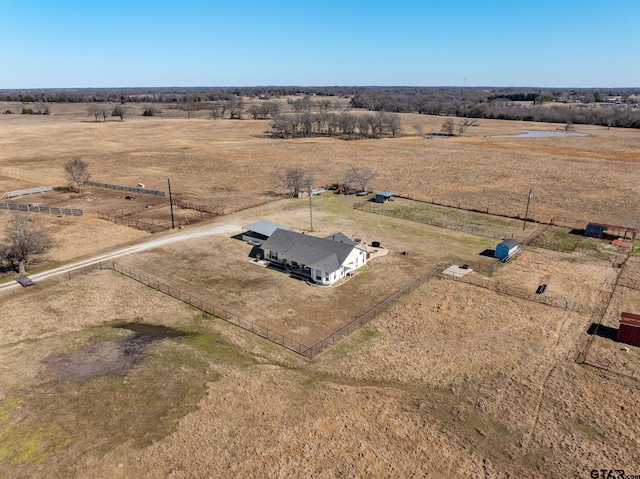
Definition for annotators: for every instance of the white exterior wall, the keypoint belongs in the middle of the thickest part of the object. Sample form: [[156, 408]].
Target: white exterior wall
[[357, 256]]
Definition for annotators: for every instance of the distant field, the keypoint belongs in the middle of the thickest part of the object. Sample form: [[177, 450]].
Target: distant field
[[232, 163], [453, 380]]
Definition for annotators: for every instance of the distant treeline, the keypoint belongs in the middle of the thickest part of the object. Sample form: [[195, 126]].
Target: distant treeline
[[165, 95], [614, 107], [617, 108]]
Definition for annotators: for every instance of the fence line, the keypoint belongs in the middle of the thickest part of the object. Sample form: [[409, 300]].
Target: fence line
[[41, 209], [183, 203], [370, 207], [28, 191], [209, 308], [369, 315], [134, 223], [549, 300], [142, 191]]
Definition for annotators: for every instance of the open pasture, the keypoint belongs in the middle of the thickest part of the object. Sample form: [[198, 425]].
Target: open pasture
[[451, 381], [231, 163]]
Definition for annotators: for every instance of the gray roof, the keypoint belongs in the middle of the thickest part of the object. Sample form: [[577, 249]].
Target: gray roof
[[386, 194], [321, 253], [510, 243], [340, 237], [265, 227]]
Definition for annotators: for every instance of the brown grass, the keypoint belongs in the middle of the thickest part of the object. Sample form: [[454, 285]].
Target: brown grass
[[453, 380]]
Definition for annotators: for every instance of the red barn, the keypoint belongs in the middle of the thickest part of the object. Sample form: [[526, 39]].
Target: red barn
[[629, 330]]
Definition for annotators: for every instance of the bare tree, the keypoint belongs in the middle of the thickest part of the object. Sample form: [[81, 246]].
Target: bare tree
[[419, 129], [448, 127], [120, 111], [292, 181], [364, 123], [104, 112], [393, 124], [361, 175], [235, 107], [273, 108], [324, 105], [465, 123], [24, 239], [76, 171], [348, 124], [215, 108], [94, 110]]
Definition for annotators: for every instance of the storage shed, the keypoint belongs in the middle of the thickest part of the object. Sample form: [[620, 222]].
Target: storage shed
[[383, 196], [506, 249], [595, 230], [629, 330]]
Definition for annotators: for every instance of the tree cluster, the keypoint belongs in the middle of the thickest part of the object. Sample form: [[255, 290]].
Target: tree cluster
[[345, 125]]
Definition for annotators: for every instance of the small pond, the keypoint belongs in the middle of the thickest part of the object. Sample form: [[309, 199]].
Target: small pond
[[540, 134]]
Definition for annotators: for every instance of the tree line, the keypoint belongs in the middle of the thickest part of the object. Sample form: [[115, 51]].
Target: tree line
[[344, 125], [503, 105]]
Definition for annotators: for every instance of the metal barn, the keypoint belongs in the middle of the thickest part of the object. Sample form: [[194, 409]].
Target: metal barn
[[629, 330]]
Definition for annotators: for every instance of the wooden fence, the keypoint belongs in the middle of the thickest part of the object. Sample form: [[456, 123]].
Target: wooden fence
[[41, 209], [133, 189]]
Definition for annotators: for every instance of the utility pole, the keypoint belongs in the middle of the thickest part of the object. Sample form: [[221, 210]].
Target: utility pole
[[310, 208], [173, 226], [527, 212]]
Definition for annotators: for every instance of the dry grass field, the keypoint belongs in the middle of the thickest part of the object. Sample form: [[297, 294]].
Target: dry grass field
[[451, 381]]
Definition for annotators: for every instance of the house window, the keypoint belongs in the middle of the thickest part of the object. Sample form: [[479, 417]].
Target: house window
[[318, 276]]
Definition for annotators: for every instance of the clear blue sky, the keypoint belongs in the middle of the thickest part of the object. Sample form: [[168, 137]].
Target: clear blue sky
[[136, 43]]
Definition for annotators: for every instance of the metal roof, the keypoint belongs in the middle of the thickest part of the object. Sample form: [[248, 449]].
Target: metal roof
[[321, 253], [386, 194], [510, 243], [265, 227]]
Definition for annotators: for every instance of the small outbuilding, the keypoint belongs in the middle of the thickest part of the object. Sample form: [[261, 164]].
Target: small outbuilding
[[507, 249], [383, 196], [629, 330], [595, 230]]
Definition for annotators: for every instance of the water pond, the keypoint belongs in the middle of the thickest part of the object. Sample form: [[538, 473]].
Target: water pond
[[540, 134]]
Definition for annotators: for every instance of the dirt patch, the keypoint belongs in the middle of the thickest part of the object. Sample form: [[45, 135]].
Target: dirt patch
[[111, 357]]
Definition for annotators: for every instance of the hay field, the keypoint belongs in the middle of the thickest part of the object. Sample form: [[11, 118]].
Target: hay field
[[453, 380]]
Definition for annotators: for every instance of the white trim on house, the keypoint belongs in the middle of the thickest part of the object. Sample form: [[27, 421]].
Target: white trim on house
[[323, 260]]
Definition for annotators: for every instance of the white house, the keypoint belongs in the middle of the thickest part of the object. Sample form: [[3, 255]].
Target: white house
[[323, 260]]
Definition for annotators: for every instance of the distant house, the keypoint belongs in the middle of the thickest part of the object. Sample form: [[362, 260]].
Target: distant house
[[383, 196], [260, 231], [322, 260], [506, 249]]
